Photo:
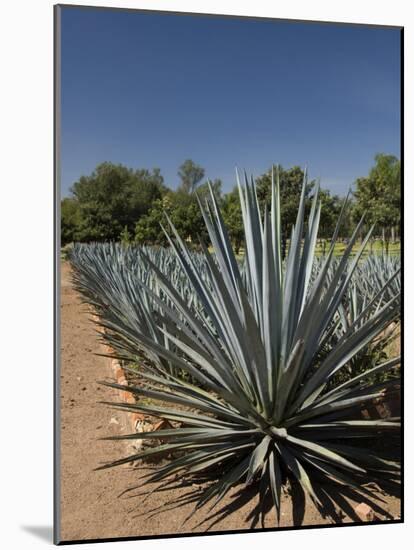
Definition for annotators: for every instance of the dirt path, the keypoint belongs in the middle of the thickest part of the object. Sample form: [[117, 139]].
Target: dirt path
[[90, 504]]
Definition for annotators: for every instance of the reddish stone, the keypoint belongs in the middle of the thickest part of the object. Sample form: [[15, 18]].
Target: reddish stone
[[136, 417], [162, 425], [119, 373], [365, 512]]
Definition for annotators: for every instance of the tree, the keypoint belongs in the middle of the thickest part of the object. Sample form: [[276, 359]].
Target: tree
[[378, 196], [291, 182], [330, 209], [347, 225], [113, 198], [148, 229], [203, 191], [232, 216], [190, 174], [69, 220], [183, 210]]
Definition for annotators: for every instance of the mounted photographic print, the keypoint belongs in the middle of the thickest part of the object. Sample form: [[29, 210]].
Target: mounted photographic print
[[228, 298]]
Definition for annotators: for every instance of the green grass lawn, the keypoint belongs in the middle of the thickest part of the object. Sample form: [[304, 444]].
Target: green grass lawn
[[376, 248]]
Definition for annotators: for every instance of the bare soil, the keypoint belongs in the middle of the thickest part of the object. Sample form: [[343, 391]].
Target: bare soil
[[91, 505]]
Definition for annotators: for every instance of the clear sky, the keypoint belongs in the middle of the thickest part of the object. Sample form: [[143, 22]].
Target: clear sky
[[151, 90]]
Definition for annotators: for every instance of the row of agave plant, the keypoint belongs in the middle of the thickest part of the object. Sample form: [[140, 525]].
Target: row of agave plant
[[247, 360], [113, 277]]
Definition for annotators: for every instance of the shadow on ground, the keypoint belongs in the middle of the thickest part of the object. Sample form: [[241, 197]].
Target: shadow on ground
[[43, 532]]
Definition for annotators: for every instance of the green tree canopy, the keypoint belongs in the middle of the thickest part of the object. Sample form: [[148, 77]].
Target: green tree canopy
[[378, 195], [148, 228], [119, 203], [113, 198], [216, 185], [347, 225], [232, 217], [184, 212], [330, 209], [291, 181], [190, 174], [69, 220]]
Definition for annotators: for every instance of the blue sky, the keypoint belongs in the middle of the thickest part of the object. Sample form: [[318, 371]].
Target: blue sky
[[151, 90]]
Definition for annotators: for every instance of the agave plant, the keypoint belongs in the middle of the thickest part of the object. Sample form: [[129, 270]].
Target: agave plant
[[112, 277], [375, 273], [352, 312], [262, 409]]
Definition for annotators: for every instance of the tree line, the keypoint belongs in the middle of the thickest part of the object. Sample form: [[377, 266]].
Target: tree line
[[122, 204]]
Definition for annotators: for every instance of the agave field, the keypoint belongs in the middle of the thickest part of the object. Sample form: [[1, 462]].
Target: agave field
[[264, 368]]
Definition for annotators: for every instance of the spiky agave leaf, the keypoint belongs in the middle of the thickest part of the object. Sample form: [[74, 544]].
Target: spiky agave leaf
[[260, 405]]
